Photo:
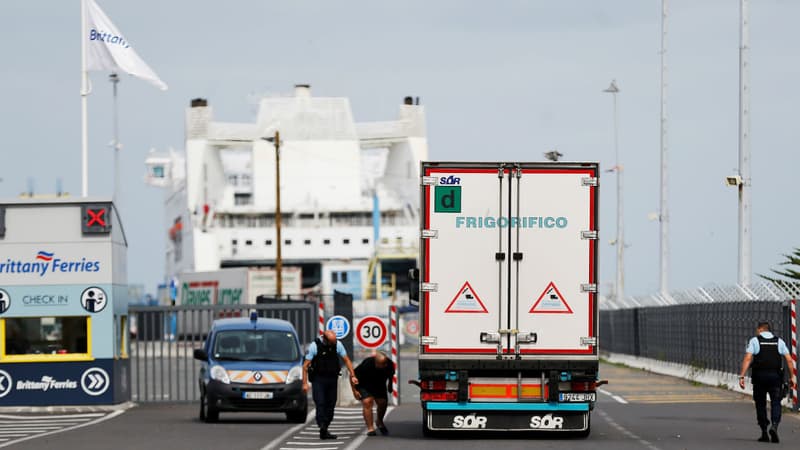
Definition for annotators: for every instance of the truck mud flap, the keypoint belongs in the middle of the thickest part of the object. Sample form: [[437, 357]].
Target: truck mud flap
[[555, 421]]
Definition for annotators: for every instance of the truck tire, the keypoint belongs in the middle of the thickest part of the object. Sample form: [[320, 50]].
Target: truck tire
[[427, 432], [585, 433]]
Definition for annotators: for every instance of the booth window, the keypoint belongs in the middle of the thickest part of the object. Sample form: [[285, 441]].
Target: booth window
[[45, 339]]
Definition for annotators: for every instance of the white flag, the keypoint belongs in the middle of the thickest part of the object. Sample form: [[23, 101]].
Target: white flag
[[107, 49]]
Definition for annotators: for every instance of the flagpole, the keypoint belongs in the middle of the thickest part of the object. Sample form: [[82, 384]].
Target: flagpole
[[84, 107], [114, 78]]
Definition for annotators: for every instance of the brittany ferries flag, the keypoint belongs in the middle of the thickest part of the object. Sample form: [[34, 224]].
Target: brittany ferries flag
[[107, 49]]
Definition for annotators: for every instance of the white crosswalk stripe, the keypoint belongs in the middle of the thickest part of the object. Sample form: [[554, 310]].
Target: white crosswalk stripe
[[15, 428], [348, 426]]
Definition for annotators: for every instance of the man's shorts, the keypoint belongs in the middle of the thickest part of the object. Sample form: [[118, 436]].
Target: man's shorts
[[366, 392]]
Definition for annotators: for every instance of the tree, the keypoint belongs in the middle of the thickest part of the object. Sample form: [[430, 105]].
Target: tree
[[792, 271]]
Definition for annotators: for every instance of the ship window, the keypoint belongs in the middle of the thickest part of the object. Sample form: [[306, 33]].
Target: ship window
[[287, 241], [326, 241], [365, 241], [234, 242], [268, 242], [248, 242], [307, 242], [335, 277], [344, 277], [345, 241]]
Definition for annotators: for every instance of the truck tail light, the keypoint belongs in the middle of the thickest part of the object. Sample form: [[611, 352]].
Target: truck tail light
[[439, 396], [434, 385], [584, 386]]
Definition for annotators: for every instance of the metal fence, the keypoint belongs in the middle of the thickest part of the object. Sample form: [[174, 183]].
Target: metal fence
[[704, 336], [163, 339]]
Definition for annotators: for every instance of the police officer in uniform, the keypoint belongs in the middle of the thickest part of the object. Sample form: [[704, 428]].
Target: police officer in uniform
[[763, 357], [322, 367]]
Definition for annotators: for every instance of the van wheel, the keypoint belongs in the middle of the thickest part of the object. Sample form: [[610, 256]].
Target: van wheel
[[299, 416], [208, 413]]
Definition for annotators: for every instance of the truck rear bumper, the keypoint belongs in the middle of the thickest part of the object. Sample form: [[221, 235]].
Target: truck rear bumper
[[442, 416]]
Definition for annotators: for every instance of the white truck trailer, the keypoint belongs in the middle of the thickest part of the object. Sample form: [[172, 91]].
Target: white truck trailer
[[507, 291]]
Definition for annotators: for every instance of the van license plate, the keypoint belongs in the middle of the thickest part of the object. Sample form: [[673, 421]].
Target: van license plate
[[257, 395]]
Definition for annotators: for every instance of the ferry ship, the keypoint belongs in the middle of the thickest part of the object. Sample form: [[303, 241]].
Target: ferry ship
[[349, 195]]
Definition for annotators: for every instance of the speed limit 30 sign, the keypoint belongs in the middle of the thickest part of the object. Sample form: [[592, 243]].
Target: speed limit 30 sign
[[371, 332]]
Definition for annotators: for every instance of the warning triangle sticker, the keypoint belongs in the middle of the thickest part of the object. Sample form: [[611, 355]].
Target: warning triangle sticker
[[466, 301], [551, 302]]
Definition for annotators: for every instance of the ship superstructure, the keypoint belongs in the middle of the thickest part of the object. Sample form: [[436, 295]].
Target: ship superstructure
[[348, 191]]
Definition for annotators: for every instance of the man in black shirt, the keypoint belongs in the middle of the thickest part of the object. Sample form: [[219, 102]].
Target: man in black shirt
[[374, 381]]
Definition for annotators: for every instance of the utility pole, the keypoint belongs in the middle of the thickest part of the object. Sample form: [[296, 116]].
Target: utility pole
[[278, 261]]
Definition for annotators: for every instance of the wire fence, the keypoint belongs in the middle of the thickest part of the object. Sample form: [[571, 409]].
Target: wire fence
[[761, 291]]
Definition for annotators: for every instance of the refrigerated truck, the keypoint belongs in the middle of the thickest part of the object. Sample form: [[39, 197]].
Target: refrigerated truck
[[507, 291]]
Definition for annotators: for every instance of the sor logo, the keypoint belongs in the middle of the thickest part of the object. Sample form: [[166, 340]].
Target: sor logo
[[450, 180], [547, 422], [470, 421]]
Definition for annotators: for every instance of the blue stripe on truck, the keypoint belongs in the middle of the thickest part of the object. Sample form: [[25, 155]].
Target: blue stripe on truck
[[454, 406]]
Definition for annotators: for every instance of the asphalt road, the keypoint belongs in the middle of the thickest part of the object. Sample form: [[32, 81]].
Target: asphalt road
[[637, 410]]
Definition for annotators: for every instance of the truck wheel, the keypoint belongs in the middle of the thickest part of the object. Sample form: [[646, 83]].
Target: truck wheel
[[585, 433], [427, 432]]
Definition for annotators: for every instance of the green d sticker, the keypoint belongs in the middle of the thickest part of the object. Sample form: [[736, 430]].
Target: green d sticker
[[448, 199]]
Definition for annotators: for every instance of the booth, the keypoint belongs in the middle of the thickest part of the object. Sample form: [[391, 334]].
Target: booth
[[63, 303]]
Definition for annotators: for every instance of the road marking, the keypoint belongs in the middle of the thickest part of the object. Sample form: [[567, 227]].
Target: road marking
[[624, 431], [359, 440], [615, 397], [82, 419]]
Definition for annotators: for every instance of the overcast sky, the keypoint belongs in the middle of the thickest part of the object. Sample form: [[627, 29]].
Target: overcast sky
[[503, 80]]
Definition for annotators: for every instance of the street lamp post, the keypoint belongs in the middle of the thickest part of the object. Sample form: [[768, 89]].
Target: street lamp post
[[620, 241], [278, 261]]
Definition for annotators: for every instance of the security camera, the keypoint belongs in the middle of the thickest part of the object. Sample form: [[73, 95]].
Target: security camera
[[733, 180], [553, 155]]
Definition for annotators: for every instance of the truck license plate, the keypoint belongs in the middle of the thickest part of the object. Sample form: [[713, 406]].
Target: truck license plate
[[577, 397], [257, 395]]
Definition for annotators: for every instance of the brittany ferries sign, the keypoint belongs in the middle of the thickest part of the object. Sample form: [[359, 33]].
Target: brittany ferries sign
[[65, 264]]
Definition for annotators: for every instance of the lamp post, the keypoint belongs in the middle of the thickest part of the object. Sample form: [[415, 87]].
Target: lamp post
[[620, 241], [278, 261], [744, 144]]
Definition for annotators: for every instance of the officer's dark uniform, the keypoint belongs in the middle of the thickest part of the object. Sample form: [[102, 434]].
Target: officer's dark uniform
[[325, 369], [767, 376]]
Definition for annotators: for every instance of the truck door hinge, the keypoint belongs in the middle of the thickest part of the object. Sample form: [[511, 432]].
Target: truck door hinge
[[499, 256], [429, 287], [430, 234], [429, 181], [588, 287], [589, 181], [517, 256], [589, 234], [428, 340]]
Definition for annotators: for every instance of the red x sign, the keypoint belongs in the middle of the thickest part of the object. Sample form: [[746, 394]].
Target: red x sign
[[96, 217]]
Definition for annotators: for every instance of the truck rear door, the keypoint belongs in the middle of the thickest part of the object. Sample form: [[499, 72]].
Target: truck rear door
[[509, 259]]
